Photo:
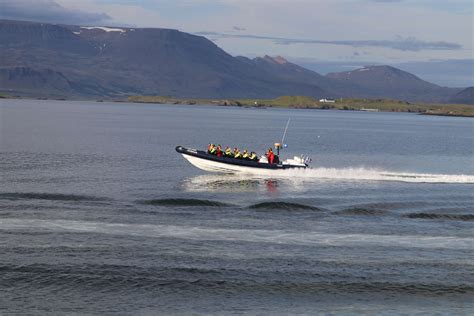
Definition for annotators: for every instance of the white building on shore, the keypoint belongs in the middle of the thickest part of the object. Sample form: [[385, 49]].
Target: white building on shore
[[327, 101]]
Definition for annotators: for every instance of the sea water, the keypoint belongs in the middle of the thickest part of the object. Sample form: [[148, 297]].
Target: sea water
[[99, 214]]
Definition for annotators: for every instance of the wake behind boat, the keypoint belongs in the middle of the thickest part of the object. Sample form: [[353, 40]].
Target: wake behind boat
[[209, 162]]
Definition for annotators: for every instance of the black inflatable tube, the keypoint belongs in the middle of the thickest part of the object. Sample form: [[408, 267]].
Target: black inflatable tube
[[232, 161]]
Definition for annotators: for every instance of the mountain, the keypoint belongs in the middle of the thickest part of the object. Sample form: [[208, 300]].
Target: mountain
[[124, 61], [41, 59], [279, 67], [29, 80], [465, 96], [387, 81]]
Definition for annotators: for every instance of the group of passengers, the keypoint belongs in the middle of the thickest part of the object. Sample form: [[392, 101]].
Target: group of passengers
[[236, 154]]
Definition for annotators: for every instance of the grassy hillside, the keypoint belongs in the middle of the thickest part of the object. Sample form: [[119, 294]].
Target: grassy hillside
[[4, 96], [383, 105]]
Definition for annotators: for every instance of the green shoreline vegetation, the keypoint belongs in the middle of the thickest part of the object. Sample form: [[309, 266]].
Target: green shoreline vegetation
[[303, 102], [300, 102], [5, 96]]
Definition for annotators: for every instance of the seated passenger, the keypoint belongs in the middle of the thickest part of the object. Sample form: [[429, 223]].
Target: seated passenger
[[209, 148], [219, 151], [253, 156], [237, 154], [213, 149], [228, 152], [246, 155]]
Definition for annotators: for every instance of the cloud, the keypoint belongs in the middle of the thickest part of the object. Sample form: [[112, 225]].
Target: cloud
[[400, 43], [47, 11]]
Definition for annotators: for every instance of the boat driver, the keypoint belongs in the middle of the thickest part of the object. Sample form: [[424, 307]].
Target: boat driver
[[270, 156]]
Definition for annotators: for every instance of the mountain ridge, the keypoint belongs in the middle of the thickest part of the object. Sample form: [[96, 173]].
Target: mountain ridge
[[120, 61], [383, 80], [465, 96]]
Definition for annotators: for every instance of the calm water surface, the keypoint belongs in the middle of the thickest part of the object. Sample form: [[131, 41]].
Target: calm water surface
[[99, 214]]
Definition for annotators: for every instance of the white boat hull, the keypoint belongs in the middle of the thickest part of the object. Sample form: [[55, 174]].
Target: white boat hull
[[215, 166]]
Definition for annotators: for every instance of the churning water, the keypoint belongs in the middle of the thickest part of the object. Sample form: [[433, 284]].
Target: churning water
[[99, 214]]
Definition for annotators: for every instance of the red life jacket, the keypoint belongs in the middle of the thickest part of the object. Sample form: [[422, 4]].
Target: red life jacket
[[270, 156], [219, 152]]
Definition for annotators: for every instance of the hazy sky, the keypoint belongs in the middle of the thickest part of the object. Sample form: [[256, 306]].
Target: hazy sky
[[352, 32]]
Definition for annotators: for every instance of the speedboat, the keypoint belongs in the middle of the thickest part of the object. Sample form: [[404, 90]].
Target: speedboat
[[208, 162]]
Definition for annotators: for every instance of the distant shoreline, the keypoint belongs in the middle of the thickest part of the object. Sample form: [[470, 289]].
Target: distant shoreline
[[302, 102], [293, 102]]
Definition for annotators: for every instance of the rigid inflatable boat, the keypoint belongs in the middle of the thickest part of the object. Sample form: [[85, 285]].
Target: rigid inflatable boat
[[208, 162]]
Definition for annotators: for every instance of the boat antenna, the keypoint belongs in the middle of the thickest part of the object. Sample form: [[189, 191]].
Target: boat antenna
[[281, 145], [284, 133]]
